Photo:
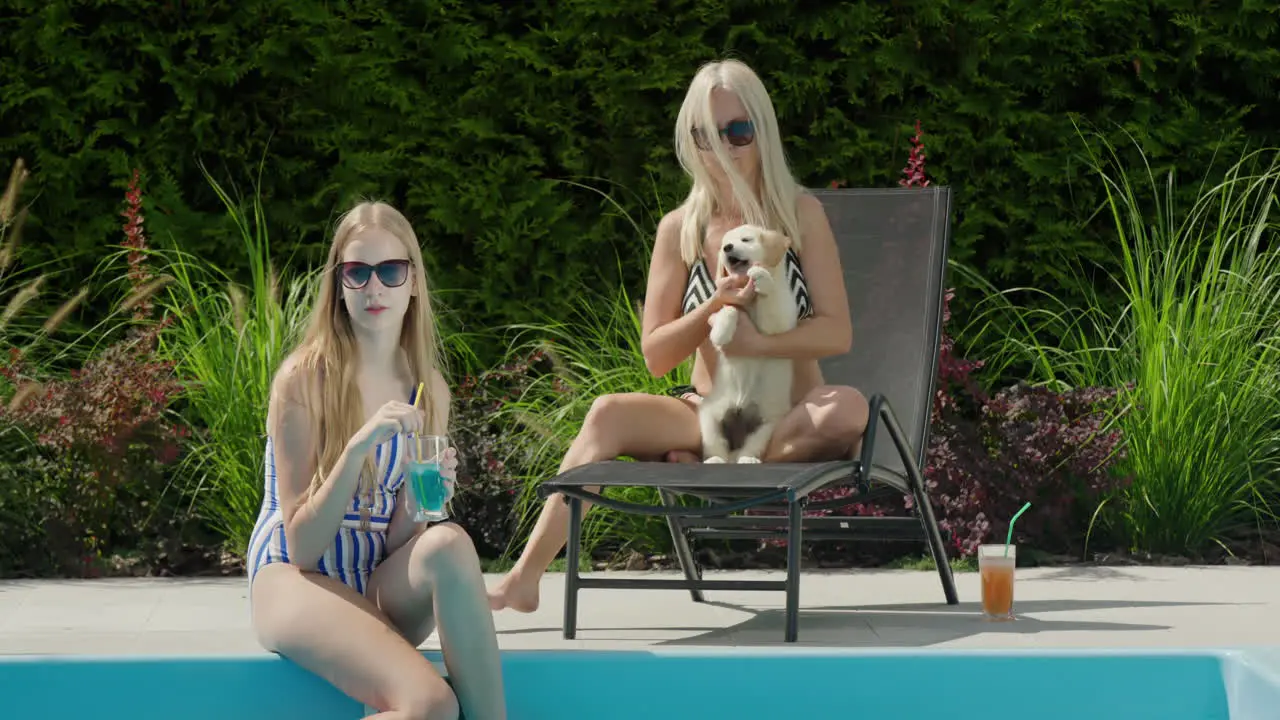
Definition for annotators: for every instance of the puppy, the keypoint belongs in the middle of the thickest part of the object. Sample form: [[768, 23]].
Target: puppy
[[750, 394]]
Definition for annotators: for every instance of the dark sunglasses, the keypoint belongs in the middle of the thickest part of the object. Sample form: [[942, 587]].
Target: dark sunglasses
[[391, 273], [739, 133]]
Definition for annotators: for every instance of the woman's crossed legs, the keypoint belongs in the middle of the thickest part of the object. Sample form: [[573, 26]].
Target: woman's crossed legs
[[366, 646], [827, 424]]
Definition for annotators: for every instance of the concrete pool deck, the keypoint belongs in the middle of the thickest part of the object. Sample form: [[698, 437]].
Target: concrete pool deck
[[1072, 607]]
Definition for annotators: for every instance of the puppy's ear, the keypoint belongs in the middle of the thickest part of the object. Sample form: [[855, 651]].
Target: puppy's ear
[[775, 246]]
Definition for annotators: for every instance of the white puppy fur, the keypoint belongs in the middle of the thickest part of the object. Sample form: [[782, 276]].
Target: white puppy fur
[[750, 394]]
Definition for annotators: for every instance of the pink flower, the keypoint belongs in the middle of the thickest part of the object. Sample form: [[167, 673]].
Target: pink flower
[[914, 171]]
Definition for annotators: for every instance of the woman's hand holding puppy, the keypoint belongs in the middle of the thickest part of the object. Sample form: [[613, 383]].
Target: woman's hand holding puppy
[[733, 290], [747, 339], [732, 293]]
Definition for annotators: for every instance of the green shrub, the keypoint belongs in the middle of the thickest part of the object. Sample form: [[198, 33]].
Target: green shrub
[[226, 343], [1194, 351], [468, 115], [494, 453], [87, 467], [24, 332], [86, 452]]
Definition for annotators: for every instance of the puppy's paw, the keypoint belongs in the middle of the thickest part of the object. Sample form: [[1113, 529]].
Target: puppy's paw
[[723, 325], [726, 314], [714, 460], [748, 460], [761, 278]]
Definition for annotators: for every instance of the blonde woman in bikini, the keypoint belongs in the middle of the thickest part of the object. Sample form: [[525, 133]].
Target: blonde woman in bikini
[[727, 140]]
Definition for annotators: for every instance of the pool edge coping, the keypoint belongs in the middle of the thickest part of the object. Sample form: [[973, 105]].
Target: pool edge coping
[[1262, 656]]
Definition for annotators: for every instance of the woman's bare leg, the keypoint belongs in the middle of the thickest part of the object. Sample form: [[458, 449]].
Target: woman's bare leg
[[693, 400], [434, 577], [826, 425], [638, 425], [338, 634]]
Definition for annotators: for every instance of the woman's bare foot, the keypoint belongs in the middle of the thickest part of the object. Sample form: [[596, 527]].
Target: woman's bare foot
[[520, 593], [682, 456], [514, 593]]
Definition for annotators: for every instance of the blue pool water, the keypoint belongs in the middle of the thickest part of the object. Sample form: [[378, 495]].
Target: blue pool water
[[735, 683]]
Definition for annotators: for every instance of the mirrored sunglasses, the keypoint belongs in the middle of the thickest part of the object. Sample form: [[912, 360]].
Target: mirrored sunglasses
[[391, 273], [739, 133]]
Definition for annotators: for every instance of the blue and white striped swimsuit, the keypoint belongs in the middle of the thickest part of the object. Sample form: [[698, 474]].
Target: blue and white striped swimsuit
[[354, 553]]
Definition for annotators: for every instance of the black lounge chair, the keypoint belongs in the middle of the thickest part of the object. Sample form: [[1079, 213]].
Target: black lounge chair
[[893, 246]]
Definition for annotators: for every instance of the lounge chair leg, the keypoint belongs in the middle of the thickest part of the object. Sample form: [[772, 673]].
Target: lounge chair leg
[[680, 541], [934, 538], [795, 517], [924, 509], [572, 554]]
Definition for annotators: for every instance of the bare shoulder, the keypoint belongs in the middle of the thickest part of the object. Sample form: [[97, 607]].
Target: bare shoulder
[[667, 251], [287, 412], [290, 382], [810, 210], [815, 228], [669, 225], [665, 286]]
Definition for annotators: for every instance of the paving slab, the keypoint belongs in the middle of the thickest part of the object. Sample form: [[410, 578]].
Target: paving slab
[[1076, 607]]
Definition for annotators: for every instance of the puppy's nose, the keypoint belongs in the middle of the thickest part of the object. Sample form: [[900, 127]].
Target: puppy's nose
[[728, 248]]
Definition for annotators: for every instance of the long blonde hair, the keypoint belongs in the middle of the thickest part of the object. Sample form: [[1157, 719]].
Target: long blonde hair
[[327, 353], [778, 187]]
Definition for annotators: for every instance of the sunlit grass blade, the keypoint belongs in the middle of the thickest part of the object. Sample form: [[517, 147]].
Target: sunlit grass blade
[[226, 341]]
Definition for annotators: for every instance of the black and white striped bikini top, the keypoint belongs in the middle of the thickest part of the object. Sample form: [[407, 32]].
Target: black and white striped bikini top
[[701, 286]]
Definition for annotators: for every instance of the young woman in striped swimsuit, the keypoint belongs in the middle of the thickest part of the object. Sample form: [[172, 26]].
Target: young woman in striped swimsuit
[[727, 140], [342, 581]]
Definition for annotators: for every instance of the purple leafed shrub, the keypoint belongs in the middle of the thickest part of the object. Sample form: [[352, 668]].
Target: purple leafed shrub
[[492, 457], [98, 442], [989, 455]]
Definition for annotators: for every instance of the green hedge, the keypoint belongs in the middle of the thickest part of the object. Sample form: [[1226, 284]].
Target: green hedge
[[472, 115]]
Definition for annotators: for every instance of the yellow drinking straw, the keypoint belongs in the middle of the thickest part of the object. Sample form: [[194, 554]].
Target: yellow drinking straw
[[417, 403]]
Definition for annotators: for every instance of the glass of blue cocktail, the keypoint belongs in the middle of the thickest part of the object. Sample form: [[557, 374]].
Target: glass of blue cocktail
[[423, 459]]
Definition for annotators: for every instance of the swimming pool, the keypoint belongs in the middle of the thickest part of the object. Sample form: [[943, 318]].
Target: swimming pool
[[736, 683]]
